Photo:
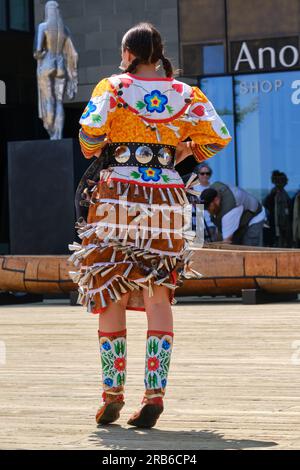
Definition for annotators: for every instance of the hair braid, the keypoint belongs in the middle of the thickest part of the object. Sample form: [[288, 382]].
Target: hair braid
[[167, 66], [144, 42]]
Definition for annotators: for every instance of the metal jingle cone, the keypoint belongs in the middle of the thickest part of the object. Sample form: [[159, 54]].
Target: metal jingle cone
[[148, 244], [104, 273], [126, 273], [180, 199], [160, 281], [122, 288], [102, 299], [118, 188], [97, 270], [111, 184], [150, 289], [151, 195], [144, 231], [116, 293], [163, 196], [126, 191], [111, 294], [127, 284], [170, 244], [184, 196], [113, 256], [171, 199]]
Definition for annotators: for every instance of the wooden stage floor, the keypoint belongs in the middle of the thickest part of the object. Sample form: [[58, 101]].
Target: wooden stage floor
[[234, 381]]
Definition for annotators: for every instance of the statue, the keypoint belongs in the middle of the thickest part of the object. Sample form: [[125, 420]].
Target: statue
[[56, 69]]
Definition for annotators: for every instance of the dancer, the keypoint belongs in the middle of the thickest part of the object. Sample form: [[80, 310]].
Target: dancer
[[132, 255]]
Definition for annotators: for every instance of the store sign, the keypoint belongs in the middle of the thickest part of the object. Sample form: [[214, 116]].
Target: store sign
[[259, 86], [296, 94], [265, 55], [256, 87], [2, 92]]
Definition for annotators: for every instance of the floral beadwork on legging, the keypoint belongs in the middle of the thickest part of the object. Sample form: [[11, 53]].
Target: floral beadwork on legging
[[157, 362], [113, 352]]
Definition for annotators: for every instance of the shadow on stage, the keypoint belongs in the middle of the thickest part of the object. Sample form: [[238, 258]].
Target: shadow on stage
[[116, 437]]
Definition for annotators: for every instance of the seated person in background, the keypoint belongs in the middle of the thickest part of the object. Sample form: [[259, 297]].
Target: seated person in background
[[238, 215]]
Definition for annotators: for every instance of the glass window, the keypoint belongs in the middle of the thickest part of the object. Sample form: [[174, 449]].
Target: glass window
[[268, 125], [219, 91], [2, 15], [262, 19], [201, 20], [191, 59], [19, 15], [213, 59]]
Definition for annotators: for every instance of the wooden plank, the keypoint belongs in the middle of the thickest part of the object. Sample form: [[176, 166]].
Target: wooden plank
[[219, 263], [223, 272], [279, 285], [31, 274], [48, 272], [11, 273], [260, 264], [233, 286], [66, 284], [288, 264]]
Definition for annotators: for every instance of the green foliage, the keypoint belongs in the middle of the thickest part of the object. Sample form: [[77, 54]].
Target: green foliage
[[140, 105], [96, 118], [224, 130], [117, 347], [165, 178]]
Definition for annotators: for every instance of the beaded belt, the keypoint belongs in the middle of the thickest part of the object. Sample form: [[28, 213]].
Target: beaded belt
[[140, 154]]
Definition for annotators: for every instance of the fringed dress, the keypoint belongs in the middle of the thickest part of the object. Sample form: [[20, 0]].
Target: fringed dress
[[131, 237]]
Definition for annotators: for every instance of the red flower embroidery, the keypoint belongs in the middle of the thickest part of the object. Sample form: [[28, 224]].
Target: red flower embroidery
[[112, 102], [178, 87], [126, 82], [199, 110], [153, 363], [120, 363]]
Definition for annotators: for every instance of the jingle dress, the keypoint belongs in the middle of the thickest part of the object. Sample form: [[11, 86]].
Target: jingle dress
[[138, 117]]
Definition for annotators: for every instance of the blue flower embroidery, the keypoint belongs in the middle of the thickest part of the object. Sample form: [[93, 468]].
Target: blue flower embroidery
[[163, 383], [150, 174], [106, 346], [166, 345], [108, 382], [155, 101], [90, 108]]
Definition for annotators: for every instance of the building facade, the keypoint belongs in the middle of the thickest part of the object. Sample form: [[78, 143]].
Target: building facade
[[18, 112], [97, 28], [243, 55]]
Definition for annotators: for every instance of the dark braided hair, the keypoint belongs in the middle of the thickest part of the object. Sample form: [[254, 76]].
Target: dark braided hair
[[144, 41]]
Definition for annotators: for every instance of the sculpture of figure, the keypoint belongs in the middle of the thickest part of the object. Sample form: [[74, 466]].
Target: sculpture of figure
[[56, 69]]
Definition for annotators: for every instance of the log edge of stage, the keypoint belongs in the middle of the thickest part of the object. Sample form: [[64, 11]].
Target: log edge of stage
[[226, 269]]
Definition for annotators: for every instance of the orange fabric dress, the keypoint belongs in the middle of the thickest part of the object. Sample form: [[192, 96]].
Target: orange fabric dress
[[131, 238]]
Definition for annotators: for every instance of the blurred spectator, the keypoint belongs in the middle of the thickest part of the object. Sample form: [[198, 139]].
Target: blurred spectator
[[296, 220], [204, 173], [279, 212]]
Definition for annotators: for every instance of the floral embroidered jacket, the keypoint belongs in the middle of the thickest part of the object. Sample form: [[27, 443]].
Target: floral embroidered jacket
[[127, 108]]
